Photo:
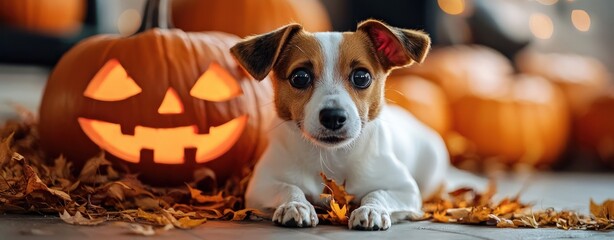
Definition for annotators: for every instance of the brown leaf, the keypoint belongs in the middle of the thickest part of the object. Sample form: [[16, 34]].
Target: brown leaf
[[5, 150], [91, 171], [605, 210], [116, 190], [61, 168], [337, 191], [147, 203], [79, 219], [36, 184]]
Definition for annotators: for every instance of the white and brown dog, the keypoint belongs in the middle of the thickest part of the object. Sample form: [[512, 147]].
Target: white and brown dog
[[329, 97]]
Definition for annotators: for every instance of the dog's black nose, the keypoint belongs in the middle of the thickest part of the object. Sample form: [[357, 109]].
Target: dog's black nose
[[333, 118]]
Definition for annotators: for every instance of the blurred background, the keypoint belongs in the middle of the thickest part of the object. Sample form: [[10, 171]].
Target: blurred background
[[511, 85]]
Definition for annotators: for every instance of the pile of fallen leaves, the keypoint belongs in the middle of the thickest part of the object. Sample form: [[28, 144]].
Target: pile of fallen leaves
[[30, 183], [466, 206]]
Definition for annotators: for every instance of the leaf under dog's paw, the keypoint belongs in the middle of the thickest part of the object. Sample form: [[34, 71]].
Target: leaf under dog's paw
[[339, 202]]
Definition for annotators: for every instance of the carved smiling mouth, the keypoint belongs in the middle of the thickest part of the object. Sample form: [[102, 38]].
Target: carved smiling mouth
[[168, 144]]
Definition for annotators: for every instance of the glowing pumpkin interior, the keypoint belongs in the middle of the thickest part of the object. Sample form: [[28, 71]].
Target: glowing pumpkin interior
[[112, 83]]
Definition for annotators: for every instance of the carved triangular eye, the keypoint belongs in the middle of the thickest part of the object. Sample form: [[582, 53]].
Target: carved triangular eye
[[216, 85], [112, 83]]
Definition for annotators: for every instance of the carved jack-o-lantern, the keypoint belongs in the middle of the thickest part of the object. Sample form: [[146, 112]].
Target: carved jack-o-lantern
[[112, 83], [162, 102]]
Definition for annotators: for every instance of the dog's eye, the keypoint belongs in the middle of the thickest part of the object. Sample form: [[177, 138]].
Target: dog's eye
[[360, 78], [300, 78]]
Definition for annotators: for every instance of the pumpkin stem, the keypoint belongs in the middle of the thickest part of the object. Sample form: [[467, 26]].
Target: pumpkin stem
[[157, 15]]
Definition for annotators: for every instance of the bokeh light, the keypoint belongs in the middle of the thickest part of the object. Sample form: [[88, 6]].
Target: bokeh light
[[581, 20], [541, 26], [452, 7], [128, 22], [547, 2]]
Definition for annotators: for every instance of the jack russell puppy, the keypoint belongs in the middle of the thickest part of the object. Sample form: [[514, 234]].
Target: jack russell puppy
[[329, 97]]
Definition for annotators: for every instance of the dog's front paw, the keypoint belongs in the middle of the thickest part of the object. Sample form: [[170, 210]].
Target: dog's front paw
[[369, 218], [296, 214]]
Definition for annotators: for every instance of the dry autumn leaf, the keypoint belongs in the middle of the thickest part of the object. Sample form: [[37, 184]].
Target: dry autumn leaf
[[605, 210], [339, 202], [338, 214], [336, 191], [199, 197], [79, 219], [36, 184]]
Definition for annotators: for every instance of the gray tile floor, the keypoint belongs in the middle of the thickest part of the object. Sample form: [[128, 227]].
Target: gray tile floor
[[24, 85]]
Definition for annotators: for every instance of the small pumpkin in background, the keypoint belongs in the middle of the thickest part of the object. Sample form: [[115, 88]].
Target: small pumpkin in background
[[249, 17], [460, 69], [582, 78], [44, 16], [524, 121], [595, 127], [424, 99], [163, 102]]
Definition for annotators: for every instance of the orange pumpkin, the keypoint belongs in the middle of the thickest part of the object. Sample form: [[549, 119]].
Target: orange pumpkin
[[424, 99], [595, 127], [582, 78], [163, 102], [461, 69], [248, 17], [525, 121], [55, 16]]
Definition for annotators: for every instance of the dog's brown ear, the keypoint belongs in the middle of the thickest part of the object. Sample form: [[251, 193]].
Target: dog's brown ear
[[396, 47], [258, 54]]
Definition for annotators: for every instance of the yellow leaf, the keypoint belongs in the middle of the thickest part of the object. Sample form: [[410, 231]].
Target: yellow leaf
[[184, 222], [204, 199], [338, 214], [440, 217], [507, 208], [337, 191], [151, 217], [187, 222]]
